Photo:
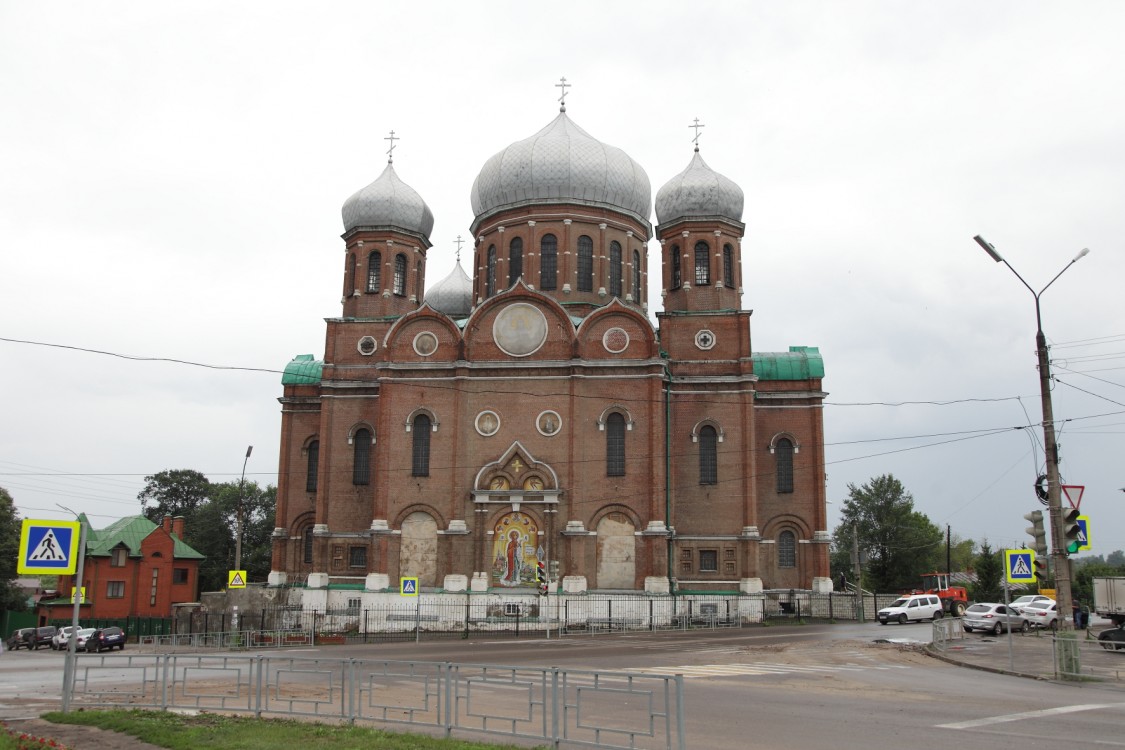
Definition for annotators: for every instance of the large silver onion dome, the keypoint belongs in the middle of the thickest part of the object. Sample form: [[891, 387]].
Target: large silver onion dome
[[453, 295], [388, 202], [698, 191], [562, 162]]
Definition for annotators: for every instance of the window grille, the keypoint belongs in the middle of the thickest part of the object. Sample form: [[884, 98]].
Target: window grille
[[677, 273], [787, 550], [421, 432], [708, 456], [728, 266], [615, 445], [375, 273], [357, 557], [400, 275], [307, 544], [708, 561], [702, 264], [311, 466], [585, 264], [548, 263], [784, 452], [614, 269], [490, 281], [361, 465], [515, 260], [637, 277]]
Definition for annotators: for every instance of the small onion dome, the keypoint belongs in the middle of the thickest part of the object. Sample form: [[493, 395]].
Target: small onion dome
[[453, 295], [388, 202], [698, 191], [562, 163]]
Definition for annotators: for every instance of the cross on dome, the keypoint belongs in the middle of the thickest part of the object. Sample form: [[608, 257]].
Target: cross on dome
[[459, 242], [563, 86], [696, 126], [392, 139]]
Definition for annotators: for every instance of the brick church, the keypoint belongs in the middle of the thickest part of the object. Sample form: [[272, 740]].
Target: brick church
[[531, 415]]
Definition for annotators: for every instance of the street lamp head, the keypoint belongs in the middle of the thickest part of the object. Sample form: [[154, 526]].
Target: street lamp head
[[1081, 254], [988, 248], [249, 450]]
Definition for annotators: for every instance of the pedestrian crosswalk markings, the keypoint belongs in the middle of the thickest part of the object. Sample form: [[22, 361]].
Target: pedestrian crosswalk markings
[[1020, 568]]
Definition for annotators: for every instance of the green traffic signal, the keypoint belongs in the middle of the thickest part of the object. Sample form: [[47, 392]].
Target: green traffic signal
[[1072, 530]]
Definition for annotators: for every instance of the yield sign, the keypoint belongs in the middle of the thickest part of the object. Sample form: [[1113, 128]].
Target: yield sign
[[1073, 494]]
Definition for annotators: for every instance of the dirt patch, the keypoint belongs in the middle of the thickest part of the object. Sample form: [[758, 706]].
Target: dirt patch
[[78, 737]]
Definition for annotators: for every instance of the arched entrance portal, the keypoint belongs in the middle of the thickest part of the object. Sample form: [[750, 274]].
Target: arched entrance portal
[[418, 552], [617, 552]]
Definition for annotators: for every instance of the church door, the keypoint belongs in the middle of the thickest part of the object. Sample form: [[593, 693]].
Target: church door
[[617, 553], [418, 553]]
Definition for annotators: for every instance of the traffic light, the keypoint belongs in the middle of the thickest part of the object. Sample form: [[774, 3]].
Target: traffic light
[[1037, 532], [1039, 568], [541, 576], [1072, 531]]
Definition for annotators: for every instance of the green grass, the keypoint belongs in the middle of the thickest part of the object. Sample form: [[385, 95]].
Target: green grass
[[203, 731]]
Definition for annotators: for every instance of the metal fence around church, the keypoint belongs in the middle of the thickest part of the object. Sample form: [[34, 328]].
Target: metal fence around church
[[568, 615]]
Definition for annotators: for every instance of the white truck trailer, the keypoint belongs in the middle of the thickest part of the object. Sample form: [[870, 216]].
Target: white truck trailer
[[1109, 599]]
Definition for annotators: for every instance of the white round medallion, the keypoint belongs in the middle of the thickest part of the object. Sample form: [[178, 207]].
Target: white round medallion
[[615, 340], [425, 343], [488, 423], [520, 329]]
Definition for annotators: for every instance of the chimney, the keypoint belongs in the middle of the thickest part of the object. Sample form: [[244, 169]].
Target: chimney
[[178, 526], [167, 524]]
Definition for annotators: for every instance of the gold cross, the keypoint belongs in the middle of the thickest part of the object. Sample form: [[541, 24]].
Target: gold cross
[[517, 466]]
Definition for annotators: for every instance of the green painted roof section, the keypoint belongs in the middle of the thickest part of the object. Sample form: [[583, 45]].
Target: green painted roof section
[[799, 363], [131, 531], [303, 370]]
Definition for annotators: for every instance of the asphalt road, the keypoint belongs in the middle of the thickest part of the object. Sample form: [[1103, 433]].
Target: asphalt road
[[779, 687]]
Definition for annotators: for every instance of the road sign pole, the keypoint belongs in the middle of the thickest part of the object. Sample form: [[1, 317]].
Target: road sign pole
[[72, 641]]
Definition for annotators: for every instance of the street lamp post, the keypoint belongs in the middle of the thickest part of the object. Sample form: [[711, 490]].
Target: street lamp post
[[1050, 447], [238, 514]]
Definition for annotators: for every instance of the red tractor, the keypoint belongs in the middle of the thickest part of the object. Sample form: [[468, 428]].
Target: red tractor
[[954, 599]]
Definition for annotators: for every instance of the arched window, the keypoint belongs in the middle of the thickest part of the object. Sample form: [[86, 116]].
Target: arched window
[[637, 277], [728, 266], [490, 277], [585, 264], [515, 260], [421, 463], [708, 455], [787, 550], [375, 273], [361, 459], [310, 473], [400, 275], [615, 269], [418, 278], [349, 276], [677, 274], [615, 445], [702, 263], [307, 544], [784, 452], [548, 263]]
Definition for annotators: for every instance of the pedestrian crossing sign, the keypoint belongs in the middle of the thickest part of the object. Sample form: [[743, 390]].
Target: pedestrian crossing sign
[[48, 547], [1018, 565], [408, 586], [236, 579], [1083, 533]]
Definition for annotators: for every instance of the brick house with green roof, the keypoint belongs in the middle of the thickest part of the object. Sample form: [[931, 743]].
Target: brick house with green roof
[[133, 568]]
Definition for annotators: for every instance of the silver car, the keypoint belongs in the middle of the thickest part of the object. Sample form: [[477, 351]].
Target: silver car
[[993, 618]]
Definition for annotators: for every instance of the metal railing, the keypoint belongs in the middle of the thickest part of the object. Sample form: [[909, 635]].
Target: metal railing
[[1077, 656], [565, 707]]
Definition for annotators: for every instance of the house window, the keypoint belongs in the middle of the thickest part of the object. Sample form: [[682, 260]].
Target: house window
[[361, 462], [515, 261], [179, 575], [702, 264], [421, 462], [152, 591], [115, 590], [310, 467], [677, 273], [614, 269], [585, 264], [117, 557], [307, 544], [357, 557], [708, 456], [548, 263], [784, 453], [400, 275], [354, 605], [787, 550], [728, 266], [374, 273], [490, 280], [708, 561], [615, 445], [637, 276]]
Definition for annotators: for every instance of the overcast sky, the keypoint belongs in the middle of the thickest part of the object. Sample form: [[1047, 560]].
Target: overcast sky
[[171, 177]]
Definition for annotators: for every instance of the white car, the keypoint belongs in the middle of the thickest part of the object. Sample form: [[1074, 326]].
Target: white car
[[83, 635], [914, 607], [1042, 614], [1019, 604], [58, 640], [993, 618]]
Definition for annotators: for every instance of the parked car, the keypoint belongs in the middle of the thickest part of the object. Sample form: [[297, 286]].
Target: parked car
[[20, 638], [82, 639], [58, 643], [914, 607], [43, 636], [994, 618], [1114, 638], [1019, 604], [1042, 614], [106, 638]]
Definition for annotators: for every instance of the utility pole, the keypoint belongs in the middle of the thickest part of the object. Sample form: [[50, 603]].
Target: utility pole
[[856, 571]]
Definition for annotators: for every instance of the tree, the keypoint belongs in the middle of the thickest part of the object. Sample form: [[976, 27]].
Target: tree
[[176, 492], [11, 597], [989, 569], [899, 543]]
